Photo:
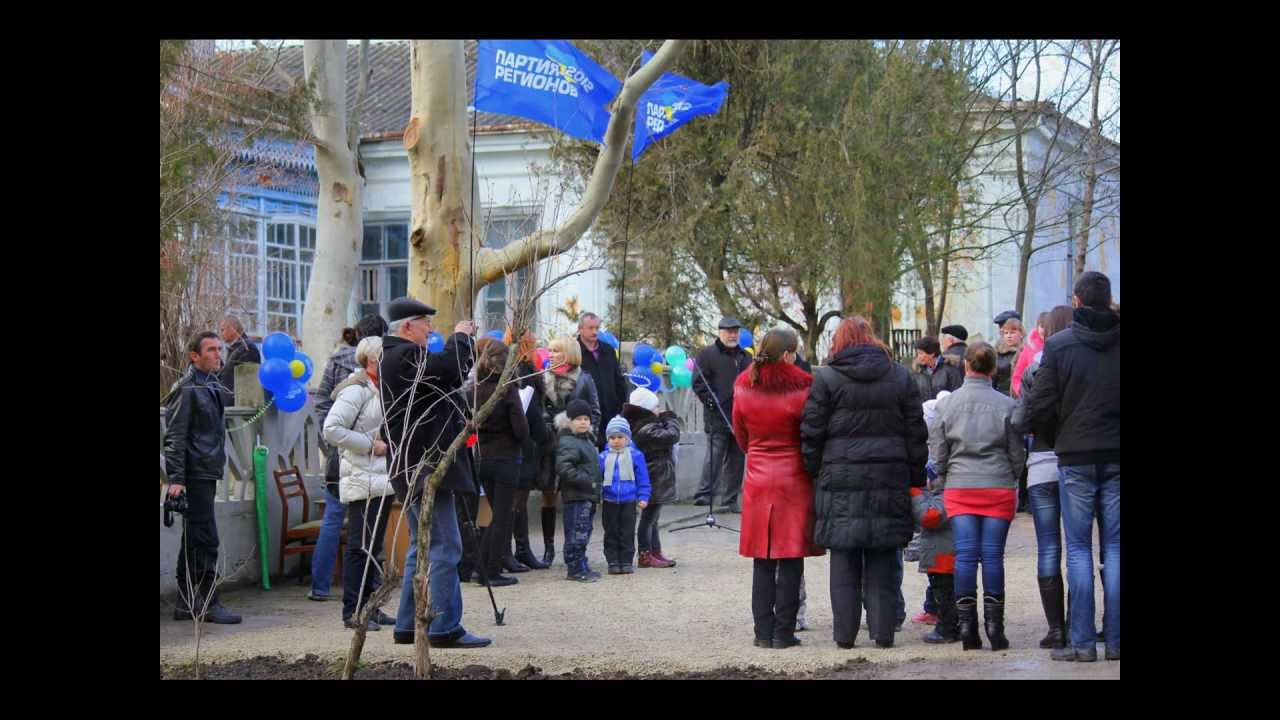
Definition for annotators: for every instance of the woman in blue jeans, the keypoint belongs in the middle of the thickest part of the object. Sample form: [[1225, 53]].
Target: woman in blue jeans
[[978, 456], [1042, 492]]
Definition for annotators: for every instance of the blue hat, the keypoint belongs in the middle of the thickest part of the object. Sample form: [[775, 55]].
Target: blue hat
[[618, 426]]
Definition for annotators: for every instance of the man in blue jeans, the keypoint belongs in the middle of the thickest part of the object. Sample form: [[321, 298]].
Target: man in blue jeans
[[1075, 404]]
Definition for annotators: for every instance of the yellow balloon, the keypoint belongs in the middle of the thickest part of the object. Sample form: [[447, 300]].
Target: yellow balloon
[[656, 368], [297, 368]]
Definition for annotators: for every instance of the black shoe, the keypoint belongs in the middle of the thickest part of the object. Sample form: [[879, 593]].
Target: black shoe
[[766, 644], [181, 613], [466, 640], [219, 615], [512, 565], [548, 535], [350, 624], [615, 569], [1051, 600], [525, 556], [884, 643], [967, 612], [500, 581], [382, 618], [993, 620], [844, 646], [404, 637], [626, 570], [784, 643], [1113, 654], [586, 577], [701, 501]]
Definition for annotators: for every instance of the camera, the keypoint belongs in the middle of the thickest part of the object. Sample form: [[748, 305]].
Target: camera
[[174, 505]]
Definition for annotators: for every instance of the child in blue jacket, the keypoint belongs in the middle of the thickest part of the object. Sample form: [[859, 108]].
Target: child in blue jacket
[[626, 485]]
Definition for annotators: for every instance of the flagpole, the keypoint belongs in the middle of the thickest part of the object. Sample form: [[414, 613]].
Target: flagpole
[[626, 230]]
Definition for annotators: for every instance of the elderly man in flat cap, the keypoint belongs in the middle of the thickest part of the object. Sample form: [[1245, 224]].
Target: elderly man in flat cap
[[949, 375], [718, 365], [421, 401]]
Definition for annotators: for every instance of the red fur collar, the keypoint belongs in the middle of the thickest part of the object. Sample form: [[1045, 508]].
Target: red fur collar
[[780, 377]]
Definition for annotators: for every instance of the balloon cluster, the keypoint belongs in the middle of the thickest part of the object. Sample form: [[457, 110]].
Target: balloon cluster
[[649, 366], [285, 371]]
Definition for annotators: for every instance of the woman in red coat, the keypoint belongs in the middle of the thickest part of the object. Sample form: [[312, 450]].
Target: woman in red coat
[[777, 494]]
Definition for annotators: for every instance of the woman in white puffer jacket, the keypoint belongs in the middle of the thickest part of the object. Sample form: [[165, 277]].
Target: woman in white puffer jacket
[[352, 426]]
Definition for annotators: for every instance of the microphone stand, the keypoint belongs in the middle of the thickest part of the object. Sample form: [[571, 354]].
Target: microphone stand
[[710, 519]]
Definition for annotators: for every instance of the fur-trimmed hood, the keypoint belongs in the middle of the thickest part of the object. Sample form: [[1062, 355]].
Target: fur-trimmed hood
[[775, 378], [561, 423]]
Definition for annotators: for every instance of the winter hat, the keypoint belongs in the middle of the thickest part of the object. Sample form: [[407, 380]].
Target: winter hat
[[618, 426], [956, 331], [931, 408], [643, 397], [577, 408]]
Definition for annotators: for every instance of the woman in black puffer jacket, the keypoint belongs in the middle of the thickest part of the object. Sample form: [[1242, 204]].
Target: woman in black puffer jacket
[[864, 443], [539, 442]]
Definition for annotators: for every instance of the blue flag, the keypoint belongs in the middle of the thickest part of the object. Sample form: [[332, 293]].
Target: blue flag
[[549, 81], [671, 102]]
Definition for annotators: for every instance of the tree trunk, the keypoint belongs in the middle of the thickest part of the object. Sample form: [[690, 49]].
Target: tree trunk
[[443, 270], [1024, 258], [339, 212], [1095, 150]]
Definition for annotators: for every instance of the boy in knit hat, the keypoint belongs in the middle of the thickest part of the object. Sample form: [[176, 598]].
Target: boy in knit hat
[[626, 485], [579, 486], [937, 549]]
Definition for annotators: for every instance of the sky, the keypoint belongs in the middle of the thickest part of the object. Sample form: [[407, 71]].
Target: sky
[[1053, 69]]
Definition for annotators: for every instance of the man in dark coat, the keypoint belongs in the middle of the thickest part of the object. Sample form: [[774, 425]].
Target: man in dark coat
[[421, 402], [950, 372], [239, 350], [600, 361], [194, 455], [1074, 403], [716, 368]]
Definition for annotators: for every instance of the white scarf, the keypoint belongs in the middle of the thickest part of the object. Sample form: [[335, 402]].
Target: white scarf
[[621, 459]]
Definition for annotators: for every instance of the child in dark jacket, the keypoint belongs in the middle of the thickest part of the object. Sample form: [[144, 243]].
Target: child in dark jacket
[[579, 486], [626, 485], [656, 435], [937, 550]]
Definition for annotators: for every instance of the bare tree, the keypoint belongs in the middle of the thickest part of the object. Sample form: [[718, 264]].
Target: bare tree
[[340, 209], [1098, 54]]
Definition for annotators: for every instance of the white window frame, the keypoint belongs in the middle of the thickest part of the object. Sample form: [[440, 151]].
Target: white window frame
[[531, 215], [379, 270], [295, 277]]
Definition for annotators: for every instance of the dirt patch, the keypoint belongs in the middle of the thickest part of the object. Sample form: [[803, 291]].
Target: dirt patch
[[312, 667]]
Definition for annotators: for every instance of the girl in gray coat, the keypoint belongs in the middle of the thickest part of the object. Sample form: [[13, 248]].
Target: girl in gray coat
[[978, 455]]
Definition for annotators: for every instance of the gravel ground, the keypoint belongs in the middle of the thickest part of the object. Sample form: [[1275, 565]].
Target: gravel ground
[[695, 617]]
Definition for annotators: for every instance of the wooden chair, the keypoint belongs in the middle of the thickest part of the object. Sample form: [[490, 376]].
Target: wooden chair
[[304, 533]]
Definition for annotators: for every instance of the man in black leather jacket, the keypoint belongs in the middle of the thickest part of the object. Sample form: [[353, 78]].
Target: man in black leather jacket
[[194, 455]]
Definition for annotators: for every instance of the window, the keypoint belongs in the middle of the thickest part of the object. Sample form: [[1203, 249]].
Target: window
[[495, 297], [290, 251], [384, 266]]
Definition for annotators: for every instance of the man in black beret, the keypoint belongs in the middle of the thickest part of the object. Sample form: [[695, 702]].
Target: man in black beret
[[421, 399], [717, 367]]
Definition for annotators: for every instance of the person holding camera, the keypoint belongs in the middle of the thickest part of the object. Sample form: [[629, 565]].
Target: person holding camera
[[194, 455]]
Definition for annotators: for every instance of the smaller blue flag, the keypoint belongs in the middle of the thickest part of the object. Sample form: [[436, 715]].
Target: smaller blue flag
[[548, 81], [671, 102]]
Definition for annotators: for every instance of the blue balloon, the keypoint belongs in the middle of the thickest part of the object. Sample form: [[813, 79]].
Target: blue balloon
[[306, 362], [745, 338], [644, 378], [495, 334], [279, 346], [293, 398], [275, 375], [435, 342], [643, 355], [607, 338]]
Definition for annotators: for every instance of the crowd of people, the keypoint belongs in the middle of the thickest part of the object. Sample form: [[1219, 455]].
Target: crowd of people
[[862, 456]]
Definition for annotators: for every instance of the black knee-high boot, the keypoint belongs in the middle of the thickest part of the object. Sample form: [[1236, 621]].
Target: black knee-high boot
[[524, 553], [549, 535]]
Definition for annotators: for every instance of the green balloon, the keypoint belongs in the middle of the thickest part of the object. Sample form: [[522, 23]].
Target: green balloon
[[681, 377], [675, 355]]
